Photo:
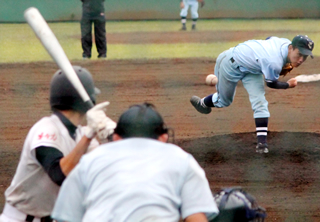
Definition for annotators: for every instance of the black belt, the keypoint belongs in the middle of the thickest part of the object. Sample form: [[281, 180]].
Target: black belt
[[42, 219]]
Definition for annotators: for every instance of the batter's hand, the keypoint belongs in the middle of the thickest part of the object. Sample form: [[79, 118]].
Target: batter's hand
[[292, 82], [98, 122], [108, 129], [181, 5]]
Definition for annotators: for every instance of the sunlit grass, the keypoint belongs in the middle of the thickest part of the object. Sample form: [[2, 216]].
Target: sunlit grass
[[18, 43], [299, 25]]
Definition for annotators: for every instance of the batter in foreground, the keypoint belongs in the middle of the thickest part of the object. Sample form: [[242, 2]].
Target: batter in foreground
[[252, 62], [54, 146]]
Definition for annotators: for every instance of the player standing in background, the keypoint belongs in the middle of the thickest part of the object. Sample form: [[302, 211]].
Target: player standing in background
[[54, 145], [93, 12], [250, 62], [194, 5], [138, 177]]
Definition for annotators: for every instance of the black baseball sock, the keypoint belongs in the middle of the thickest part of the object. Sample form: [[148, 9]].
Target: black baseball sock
[[261, 129], [208, 101], [194, 21]]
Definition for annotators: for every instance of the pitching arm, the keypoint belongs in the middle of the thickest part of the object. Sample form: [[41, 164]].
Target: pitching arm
[[291, 83]]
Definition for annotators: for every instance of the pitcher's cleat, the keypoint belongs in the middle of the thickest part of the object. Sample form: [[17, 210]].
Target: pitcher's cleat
[[199, 106], [262, 148]]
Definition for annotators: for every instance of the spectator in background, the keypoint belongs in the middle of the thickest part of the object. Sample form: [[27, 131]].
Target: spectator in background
[[93, 12], [138, 177]]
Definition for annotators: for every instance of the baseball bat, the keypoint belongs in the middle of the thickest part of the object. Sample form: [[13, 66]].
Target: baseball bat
[[53, 47]]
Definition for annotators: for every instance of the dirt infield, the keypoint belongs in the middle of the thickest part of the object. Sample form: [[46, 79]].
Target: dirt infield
[[285, 181]]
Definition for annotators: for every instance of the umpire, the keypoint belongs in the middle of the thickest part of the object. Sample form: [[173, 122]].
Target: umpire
[[138, 177], [93, 12]]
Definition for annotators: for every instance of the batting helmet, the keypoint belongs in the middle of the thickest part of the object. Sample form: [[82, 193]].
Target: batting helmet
[[236, 205], [141, 121], [63, 96]]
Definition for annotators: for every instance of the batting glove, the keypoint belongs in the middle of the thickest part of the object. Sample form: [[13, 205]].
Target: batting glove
[[98, 123]]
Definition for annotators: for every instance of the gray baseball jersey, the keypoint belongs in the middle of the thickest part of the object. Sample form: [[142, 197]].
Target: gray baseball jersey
[[135, 179], [265, 57]]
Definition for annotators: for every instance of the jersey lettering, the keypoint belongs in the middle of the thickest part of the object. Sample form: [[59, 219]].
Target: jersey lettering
[[47, 136]]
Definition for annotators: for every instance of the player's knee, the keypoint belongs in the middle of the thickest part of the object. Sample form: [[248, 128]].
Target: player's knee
[[261, 111]]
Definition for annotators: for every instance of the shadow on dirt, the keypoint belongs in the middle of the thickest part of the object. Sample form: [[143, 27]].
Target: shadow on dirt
[[288, 174], [293, 160]]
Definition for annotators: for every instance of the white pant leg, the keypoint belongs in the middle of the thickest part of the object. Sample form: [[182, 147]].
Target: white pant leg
[[12, 214], [184, 11], [194, 10], [4, 218], [254, 84]]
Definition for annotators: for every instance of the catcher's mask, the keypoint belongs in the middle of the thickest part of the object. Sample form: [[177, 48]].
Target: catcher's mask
[[141, 120], [235, 205]]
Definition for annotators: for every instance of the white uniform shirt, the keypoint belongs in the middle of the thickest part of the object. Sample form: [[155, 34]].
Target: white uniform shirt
[[31, 190], [265, 57], [135, 180]]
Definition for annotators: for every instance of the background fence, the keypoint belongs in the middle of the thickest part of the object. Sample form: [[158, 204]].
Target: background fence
[[70, 10]]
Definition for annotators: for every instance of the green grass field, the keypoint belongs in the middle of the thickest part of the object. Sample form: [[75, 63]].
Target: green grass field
[[19, 44]]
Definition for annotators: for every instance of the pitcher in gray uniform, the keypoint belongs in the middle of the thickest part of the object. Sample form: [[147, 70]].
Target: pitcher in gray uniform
[[252, 62]]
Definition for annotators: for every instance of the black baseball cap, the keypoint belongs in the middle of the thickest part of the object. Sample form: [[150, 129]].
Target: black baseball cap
[[141, 120], [304, 44]]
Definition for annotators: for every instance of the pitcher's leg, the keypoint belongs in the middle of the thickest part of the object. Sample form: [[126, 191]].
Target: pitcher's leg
[[226, 86], [254, 84], [228, 78]]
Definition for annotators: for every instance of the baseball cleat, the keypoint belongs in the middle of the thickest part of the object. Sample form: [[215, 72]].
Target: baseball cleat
[[200, 107], [193, 27], [184, 28], [102, 56], [85, 57], [262, 148]]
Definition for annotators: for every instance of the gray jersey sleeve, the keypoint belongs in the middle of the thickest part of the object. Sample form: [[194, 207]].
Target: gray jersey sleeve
[[69, 205], [196, 194]]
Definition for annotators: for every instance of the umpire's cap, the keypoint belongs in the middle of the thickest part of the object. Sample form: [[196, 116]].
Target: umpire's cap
[[141, 120]]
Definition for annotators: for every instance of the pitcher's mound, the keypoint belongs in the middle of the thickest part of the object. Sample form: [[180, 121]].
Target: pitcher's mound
[[288, 174]]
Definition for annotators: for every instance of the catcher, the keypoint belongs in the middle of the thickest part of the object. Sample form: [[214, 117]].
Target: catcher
[[236, 205], [251, 62], [194, 6], [53, 147]]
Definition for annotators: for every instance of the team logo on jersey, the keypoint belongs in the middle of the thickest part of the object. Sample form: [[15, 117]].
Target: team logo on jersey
[[47, 136]]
